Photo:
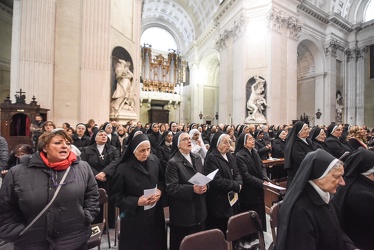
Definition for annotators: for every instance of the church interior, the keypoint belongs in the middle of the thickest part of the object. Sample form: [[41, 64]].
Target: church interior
[[191, 60]]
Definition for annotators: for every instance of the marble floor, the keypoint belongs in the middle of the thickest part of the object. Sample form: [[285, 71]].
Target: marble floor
[[105, 246]]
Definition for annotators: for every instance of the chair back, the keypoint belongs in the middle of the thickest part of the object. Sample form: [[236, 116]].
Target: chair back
[[209, 239], [244, 224], [274, 211]]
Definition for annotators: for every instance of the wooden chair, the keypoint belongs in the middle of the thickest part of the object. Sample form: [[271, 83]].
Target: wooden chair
[[117, 226], [210, 239], [244, 224], [274, 211], [95, 239]]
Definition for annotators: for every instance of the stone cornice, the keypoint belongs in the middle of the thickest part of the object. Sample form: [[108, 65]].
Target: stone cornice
[[223, 9], [341, 22], [235, 31]]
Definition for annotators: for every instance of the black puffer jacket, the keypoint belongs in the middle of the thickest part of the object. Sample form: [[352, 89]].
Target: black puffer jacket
[[27, 189]]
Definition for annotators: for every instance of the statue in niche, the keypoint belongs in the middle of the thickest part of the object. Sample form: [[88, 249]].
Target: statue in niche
[[123, 96], [256, 103], [339, 107]]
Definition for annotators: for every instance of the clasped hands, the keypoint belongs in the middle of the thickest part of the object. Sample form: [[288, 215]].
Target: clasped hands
[[199, 189], [101, 176], [149, 200]]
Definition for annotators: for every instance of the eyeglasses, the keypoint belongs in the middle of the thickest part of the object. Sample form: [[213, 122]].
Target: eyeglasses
[[56, 184], [186, 139], [228, 142]]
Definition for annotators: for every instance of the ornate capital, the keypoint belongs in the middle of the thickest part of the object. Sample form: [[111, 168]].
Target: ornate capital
[[235, 31], [333, 47], [293, 26], [277, 19], [356, 53]]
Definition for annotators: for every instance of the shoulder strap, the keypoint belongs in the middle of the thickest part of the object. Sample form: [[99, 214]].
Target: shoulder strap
[[48, 205]]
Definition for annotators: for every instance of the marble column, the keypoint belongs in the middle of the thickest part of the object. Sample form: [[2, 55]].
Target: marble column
[[318, 95], [32, 56], [350, 88], [360, 86]]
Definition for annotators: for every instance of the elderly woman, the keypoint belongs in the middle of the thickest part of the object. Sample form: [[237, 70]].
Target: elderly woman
[[355, 201], [226, 183], [263, 148], [297, 146], [334, 144], [198, 146], [254, 177], [317, 136], [28, 188], [112, 136], [103, 159], [279, 144], [142, 216], [186, 200], [154, 137], [307, 219]]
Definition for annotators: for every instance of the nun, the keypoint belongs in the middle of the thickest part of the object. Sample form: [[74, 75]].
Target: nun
[[355, 201], [198, 146], [222, 197], [154, 137], [279, 144], [103, 159], [334, 144], [254, 178], [297, 146], [187, 204], [318, 136], [142, 216], [307, 218]]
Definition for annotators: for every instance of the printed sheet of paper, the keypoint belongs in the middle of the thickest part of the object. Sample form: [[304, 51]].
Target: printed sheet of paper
[[275, 186], [201, 180], [149, 192]]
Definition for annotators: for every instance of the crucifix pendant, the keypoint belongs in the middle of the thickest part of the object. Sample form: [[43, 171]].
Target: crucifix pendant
[[102, 156]]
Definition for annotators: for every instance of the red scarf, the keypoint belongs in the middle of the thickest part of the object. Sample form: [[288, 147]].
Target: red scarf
[[61, 165]]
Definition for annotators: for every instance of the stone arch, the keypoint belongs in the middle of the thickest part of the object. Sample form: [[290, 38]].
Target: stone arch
[[310, 78], [209, 78]]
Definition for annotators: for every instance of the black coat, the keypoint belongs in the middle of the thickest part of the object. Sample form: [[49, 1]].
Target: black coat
[[140, 229], [319, 144], [154, 139], [82, 142], [226, 180], [186, 208], [115, 142], [358, 217], [28, 188], [314, 225], [164, 154], [262, 150], [253, 174], [298, 153], [355, 144], [337, 147], [278, 148]]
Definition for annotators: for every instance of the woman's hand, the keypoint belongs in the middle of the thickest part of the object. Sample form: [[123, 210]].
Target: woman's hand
[[150, 200], [199, 189], [101, 176]]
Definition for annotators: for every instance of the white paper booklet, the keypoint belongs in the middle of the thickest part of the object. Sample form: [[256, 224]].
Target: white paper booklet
[[149, 192], [201, 180]]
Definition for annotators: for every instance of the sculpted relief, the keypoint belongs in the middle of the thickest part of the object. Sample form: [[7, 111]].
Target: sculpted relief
[[256, 104]]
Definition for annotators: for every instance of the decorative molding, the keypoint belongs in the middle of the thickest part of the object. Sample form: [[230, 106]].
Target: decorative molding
[[235, 31], [356, 53], [278, 19], [333, 46], [6, 9], [226, 6]]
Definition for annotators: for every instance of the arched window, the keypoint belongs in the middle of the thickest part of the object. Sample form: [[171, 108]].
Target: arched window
[[369, 12], [159, 38]]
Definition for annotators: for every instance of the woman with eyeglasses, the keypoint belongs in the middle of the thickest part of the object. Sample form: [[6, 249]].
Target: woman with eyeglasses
[[298, 145], [28, 188], [103, 159], [334, 142], [222, 197], [187, 204]]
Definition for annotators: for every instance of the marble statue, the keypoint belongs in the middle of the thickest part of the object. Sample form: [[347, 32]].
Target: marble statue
[[339, 107], [123, 96], [256, 103]]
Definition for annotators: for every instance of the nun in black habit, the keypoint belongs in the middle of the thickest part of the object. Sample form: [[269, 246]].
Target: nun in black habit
[[254, 177], [307, 218], [226, 184], [297, 146], [154, 137], [355, 201], [139, 170], [318, 136], [187, 203], [334, 142]]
